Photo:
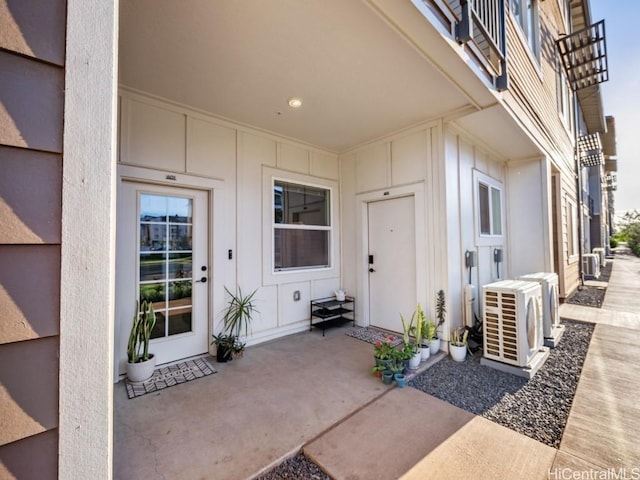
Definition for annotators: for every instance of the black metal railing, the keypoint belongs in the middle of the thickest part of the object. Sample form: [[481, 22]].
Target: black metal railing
[[483, 22]]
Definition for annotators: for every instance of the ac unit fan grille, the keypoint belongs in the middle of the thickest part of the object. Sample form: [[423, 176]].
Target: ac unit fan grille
[[501, 328]]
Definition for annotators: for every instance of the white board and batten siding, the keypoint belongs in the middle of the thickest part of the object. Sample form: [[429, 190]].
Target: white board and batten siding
[[465, 160], [409, 163], [160, 135]]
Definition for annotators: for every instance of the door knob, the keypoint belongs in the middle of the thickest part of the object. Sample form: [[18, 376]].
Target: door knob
[[371, 270], [202, 280]]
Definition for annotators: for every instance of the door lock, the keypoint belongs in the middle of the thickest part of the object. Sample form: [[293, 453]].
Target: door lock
[[371, 270]]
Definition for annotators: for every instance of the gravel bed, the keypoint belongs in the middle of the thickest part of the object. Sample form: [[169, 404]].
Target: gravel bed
[[296, 468], [592, 296], [537, 408]]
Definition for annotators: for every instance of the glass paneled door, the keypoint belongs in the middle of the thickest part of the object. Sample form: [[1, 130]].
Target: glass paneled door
[[168, 242]]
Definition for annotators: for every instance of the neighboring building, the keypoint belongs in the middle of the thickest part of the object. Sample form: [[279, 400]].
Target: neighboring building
[[428, 129]]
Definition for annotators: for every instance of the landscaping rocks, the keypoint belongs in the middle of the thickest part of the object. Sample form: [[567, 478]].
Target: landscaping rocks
[[537, 408], [296, 468]]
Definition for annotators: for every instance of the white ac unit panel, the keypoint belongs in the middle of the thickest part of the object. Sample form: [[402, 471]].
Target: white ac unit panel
[[512, 317], [591, 265], [602, 254], [550, 299]]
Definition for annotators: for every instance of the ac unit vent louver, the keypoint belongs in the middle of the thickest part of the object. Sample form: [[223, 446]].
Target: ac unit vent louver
[[512, 321]]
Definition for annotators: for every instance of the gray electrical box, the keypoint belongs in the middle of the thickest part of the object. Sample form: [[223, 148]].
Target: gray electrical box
[[470, 259]]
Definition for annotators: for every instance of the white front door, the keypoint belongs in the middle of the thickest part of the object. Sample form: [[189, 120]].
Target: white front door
[[162, 257], [392, 273]]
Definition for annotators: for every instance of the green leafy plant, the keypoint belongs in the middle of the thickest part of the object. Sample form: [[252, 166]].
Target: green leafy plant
[[441, 309], [143, 322], [429, 329], [237, 321], [459, 336], [420, 320], [239, 312], [384, 349], [407, 328]]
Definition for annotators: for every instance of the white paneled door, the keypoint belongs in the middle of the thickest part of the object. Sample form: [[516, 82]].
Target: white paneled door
[[163, 246], [392, 267]]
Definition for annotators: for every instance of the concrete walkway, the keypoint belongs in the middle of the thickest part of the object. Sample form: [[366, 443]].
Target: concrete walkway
[[316, 393], [410, 435]]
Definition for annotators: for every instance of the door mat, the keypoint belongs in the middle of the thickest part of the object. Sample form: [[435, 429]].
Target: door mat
[[165, 377], [373, 335]]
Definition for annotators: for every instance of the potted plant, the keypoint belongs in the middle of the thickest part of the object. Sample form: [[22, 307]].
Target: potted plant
[[384, 351], [440, 314], [410, 350], [458, 345], [422, 334], [141, 363], [236, 320]]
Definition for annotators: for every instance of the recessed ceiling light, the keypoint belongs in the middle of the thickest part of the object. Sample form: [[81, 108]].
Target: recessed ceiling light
[[295, 102]]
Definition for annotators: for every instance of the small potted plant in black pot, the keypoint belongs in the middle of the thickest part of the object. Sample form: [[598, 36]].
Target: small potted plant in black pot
[[236, 321]]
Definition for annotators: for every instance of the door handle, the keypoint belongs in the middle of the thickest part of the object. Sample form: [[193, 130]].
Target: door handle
[[371, 270], [202, 280]]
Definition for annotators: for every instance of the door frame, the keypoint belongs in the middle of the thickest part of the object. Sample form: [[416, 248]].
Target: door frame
[[417, 191], [214, 249]]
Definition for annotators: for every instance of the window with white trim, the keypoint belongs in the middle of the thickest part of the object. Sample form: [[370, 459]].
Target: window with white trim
[[565, 102], [489, 206], [572, 229], [301, 226], [526, 13]]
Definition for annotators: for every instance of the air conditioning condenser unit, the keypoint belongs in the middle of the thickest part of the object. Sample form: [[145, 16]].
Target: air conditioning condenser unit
[[591, 265], [552, 331], [512, 314]]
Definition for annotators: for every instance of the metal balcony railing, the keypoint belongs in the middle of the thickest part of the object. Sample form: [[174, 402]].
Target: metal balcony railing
[[480, 26]]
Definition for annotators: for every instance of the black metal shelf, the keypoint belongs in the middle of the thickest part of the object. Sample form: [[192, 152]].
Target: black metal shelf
[[330, 312]]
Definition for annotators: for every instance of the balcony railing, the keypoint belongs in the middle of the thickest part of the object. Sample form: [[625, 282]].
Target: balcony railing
[[480, 26]]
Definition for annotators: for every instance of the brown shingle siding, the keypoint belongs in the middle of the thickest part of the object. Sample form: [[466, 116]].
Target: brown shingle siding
[[34, 28], [30, 196]]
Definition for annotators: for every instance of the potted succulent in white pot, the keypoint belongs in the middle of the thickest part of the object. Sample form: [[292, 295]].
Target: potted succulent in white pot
[[411, 350], [428, 334], [141, 363], [423, 334], [458, 345]]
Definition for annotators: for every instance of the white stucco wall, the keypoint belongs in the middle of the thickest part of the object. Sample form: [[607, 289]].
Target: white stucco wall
[[87, 259]]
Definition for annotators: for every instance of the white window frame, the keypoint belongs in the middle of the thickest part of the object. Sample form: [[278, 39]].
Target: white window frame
[[572, 231], [565, 98], [271, 276], [484, 239], [523, 18]]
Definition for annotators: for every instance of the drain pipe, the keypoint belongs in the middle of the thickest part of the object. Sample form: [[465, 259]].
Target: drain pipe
[[578, 187]]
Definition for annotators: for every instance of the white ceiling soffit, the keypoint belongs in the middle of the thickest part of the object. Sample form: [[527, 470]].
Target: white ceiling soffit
[[497, 129], [242, 60]]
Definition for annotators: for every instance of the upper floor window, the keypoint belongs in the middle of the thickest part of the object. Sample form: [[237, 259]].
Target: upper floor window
[[489, 218], [565, 99], [526, 13], [301, 226]]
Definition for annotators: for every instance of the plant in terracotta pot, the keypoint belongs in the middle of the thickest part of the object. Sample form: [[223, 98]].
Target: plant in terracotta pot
[[141, 363]]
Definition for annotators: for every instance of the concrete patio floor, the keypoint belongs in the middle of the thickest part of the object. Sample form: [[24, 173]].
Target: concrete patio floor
[[313, 392]]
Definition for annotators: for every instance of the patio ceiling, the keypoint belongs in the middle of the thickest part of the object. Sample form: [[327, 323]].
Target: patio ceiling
[[242, 60]]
